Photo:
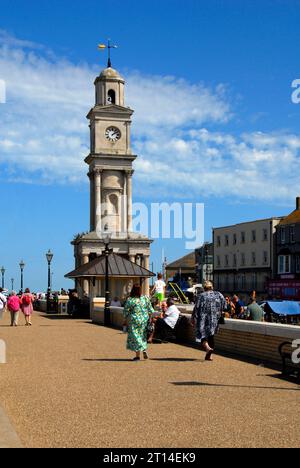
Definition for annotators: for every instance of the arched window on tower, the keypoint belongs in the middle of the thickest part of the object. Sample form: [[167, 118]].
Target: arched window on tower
[[113, 204], [111, 97]]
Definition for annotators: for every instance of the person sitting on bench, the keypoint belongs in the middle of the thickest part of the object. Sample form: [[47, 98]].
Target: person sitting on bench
[[164, 327]]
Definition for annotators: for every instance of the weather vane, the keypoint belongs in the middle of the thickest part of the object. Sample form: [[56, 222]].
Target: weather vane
[[108, 46]]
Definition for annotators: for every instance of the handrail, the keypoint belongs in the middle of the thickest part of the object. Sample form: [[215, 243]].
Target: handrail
[[179, 293]]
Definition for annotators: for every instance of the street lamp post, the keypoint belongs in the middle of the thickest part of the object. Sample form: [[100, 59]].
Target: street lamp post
[[106, 240], [22, 266], [12, 283], [2, 273], [49, 256]]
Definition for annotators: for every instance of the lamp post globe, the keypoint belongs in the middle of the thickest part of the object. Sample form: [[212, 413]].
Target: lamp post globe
[[49, 256], [106, 238]]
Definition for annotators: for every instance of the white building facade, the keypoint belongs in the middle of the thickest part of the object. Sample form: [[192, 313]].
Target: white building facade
[[244, 257]]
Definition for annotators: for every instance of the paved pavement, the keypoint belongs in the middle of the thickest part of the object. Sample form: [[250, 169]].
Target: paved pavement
[[68, 383], [8, 436]]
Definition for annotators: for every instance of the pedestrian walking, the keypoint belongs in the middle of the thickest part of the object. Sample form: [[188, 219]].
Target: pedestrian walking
[[27, 306], [13, 305], [137, 312], [206, 315], [159, 289], [3, 302]]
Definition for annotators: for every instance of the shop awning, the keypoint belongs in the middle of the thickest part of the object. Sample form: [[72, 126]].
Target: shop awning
[[284, 307]]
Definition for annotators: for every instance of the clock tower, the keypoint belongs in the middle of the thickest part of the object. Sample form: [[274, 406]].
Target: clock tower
[[110, 173]]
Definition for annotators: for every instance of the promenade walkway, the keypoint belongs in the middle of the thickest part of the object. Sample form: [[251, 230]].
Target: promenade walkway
[[68, 383]]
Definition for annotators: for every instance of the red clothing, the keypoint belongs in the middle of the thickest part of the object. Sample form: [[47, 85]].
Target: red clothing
[[27, 309], [13, 303]]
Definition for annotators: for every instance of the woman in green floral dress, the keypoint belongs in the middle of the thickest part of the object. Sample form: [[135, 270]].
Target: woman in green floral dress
[[137, 311]]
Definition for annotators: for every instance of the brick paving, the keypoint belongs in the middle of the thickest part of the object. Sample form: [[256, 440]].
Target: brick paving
[[68, 383]]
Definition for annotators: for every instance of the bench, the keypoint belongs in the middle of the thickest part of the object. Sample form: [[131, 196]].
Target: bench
[[289, 367], [173, 334]]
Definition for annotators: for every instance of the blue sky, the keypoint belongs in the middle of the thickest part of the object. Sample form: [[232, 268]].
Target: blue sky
[[211, 85]]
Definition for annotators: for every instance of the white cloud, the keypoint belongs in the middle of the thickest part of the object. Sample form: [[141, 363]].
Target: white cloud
[[254, 165], [167, 102], [43, 127], [44, 132]]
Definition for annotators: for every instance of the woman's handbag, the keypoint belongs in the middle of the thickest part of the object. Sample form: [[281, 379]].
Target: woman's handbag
[[222, 320], [150, 327]]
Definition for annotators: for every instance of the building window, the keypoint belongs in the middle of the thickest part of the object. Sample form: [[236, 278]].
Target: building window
[[253, 236], [282, 235], [218, 261], [265, 257], [234, 260], [226, 260], [265, 234], [234, 239], [253, 258], [111, 97], [254, 281], [292, 233], [243, 237], [226, 282], [243, 282], [284, 264], [281, 264], [218, 241], [226, 240], [92, 134], [243, 259], [297, 261], [288, 263]]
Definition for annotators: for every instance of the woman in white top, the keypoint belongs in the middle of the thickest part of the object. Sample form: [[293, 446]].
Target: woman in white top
[[165, 326]]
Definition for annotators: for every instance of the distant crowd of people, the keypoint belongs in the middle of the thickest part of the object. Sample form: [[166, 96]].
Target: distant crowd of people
[[16, 303], [237, 309]]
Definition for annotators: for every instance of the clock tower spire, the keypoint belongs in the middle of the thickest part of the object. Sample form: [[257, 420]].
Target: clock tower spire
[[110, 158]]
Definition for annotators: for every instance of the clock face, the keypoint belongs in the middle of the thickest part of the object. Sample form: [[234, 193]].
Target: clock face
[[113, 134]]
